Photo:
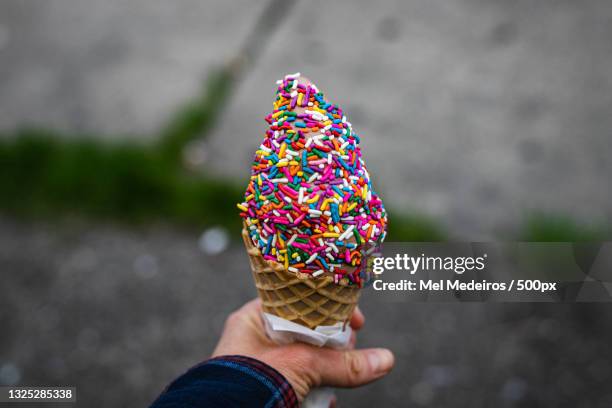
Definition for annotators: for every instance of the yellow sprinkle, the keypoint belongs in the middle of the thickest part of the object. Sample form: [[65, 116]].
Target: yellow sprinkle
[[277, 114], [313, 199], [364, 192], [283, 251], [282, 164], [259, 182], [300, 173], [242, 207], [299, 99], [324, 205], [330, 235], [281, 243], [350, 207], [294, 255], [281, 152], [273, 251], [286, 262], [293, 163], [249, 197]]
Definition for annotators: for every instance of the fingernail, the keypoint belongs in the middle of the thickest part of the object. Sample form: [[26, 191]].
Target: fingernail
[[381, 360]]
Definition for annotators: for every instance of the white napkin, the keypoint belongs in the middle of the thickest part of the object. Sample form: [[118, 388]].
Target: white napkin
[[283, 331]]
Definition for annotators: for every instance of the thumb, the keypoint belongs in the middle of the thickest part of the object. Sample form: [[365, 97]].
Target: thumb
[[352, 368]]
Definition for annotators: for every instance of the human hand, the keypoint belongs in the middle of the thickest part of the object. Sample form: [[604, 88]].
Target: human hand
[[303, 365]]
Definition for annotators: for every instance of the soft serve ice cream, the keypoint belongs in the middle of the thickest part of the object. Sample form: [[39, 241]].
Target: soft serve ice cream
[[310, 204]]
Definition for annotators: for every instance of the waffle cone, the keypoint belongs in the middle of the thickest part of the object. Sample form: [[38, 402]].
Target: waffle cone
[[300, 298]]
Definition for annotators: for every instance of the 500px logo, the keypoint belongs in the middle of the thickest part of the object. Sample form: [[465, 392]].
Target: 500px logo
[[413, 264]]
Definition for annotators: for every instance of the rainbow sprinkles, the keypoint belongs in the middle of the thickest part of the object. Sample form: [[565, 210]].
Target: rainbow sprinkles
[[310, 205]]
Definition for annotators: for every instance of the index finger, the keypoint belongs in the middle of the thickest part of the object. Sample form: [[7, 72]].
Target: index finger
[[357, 319]]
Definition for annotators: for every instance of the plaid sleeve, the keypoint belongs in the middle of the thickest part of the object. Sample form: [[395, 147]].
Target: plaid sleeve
[[229, 381]]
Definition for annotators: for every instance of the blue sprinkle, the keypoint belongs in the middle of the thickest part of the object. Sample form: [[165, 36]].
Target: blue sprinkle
[[320, 258]]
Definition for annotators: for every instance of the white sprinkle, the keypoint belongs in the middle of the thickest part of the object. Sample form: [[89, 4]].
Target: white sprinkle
[[292, 239], [327, 213], [301, 195], [317, 273], [292, 269], [311, 259], [346, 234], [331, 258], [314, 212], [308, 143], [280, 180], [329, 158], [287, 199]]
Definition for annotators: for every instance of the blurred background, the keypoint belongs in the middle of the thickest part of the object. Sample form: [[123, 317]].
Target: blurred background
[[126, 135]]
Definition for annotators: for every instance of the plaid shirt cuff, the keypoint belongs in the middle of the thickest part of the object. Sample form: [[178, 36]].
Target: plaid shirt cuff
[[282, 394]]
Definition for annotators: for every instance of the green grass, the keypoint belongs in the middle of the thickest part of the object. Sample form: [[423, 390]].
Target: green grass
[[43, 175], [197, 117], [558, 228], [413, 228]]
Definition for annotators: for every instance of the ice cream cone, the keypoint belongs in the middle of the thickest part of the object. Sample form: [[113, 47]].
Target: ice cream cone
[[298, 297]]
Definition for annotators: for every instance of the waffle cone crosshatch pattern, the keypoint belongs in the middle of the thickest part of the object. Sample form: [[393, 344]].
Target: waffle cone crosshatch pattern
[[302, 300]]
